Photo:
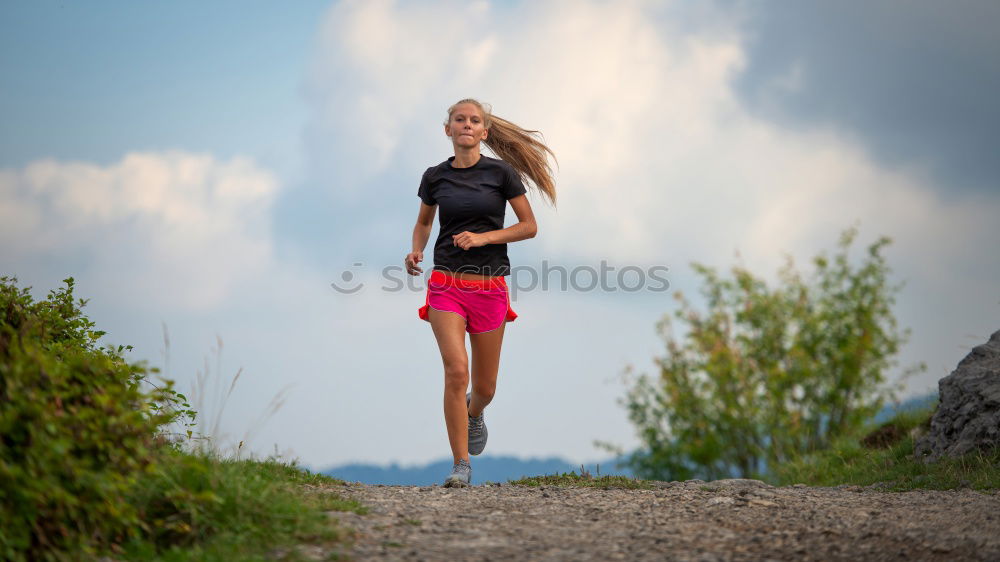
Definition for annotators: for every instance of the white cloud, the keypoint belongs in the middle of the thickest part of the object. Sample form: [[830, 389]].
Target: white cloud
[[375, 63], [167, 229], [657, 157], [659, 162]]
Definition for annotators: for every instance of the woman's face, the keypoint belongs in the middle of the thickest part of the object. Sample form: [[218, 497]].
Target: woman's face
[[466, 126]]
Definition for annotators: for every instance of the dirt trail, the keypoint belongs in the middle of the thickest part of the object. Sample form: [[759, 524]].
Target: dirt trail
[[724, 520]]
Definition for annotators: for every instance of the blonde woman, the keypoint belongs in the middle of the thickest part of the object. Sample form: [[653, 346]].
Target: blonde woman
[[466, 292]]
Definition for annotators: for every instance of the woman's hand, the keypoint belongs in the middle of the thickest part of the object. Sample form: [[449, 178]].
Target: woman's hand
[[466, 240], [411, 263]]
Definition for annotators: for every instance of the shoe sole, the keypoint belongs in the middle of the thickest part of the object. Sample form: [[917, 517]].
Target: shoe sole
[[456, 484]]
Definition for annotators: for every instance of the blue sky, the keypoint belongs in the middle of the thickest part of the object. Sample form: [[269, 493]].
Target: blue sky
[[213, 168], [86, 82]]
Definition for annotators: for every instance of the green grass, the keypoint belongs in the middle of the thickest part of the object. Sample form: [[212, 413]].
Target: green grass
[[848, 462], [573, 480], [201, 507]]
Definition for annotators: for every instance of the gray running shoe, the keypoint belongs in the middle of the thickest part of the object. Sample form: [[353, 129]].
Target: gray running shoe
[[477, 430], [461, 475]]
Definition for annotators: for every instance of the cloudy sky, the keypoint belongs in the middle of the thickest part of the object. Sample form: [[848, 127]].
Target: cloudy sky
[[206, 172]]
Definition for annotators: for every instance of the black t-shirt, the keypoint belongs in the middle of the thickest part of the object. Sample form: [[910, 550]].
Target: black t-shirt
[[470, 199]]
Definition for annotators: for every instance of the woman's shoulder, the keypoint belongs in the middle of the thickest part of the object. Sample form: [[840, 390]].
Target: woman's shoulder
[[497, 169], [438, 167], [495, 163], [435, 171], [502, 169]]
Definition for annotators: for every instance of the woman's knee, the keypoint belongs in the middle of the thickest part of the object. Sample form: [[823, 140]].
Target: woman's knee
[[485, 390], [456, 375]]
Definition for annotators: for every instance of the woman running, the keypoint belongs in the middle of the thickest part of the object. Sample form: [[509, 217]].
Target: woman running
[[466, 291]]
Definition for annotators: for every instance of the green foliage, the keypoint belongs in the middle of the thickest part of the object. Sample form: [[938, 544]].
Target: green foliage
[[894, 467], [77, 429], [766, 374], [87, 467]]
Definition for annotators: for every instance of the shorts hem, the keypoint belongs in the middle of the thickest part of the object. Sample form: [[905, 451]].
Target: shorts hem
[[505, 320], [424, 313]]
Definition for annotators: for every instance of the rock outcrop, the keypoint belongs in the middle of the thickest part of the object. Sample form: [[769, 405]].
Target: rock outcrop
[[968, 413]]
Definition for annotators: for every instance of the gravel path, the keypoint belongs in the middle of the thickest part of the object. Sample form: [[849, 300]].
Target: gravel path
[[723, 520]]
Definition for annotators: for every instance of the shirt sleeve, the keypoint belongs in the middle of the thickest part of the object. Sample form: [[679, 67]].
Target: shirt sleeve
[[424, 191], [512, 186]]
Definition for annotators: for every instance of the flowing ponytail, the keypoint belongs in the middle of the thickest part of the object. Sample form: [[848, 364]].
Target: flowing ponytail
[[518, 147]]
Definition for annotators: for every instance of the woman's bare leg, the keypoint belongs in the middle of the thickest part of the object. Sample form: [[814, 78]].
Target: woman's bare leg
[[485, 366], [449, 329]]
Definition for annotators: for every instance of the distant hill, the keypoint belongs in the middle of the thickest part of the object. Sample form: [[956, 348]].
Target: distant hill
[[484, 469], [487, 468], [915, 403]]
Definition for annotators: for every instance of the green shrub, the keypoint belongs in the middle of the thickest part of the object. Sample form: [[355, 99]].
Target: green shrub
[[77, 430], [765, 373]]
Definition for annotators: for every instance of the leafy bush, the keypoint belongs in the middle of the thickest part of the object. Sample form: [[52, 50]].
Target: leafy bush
[[77, 429], [767, 374]]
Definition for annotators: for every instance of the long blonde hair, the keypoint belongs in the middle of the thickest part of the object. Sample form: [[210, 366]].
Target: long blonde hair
[[519, 148]]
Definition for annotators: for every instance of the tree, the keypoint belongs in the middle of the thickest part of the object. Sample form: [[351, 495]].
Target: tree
[[763, 374]]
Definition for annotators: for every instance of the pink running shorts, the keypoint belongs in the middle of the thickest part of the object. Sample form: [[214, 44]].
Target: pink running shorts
[[483, 303]]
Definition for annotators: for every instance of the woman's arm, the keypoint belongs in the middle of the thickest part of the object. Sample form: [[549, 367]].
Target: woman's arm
[[421, 233], [422, 230], [525, 228]]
